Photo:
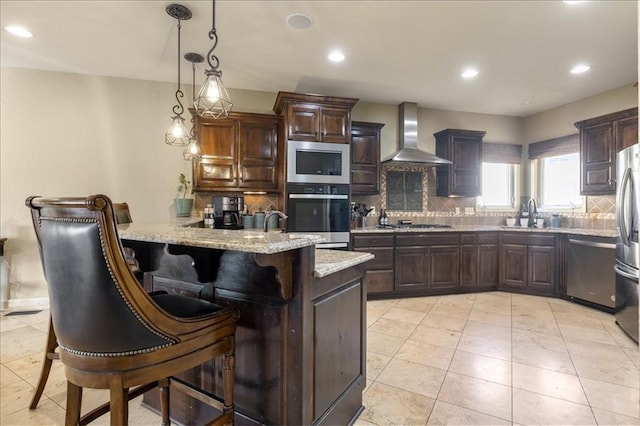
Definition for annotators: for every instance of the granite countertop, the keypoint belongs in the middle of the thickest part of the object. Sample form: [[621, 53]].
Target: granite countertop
[[480, 228], [331, 261], [251, 241]]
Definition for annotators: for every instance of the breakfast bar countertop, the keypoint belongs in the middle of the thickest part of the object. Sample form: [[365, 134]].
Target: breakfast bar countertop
[[484, 228], [251, 241], [332, 261]]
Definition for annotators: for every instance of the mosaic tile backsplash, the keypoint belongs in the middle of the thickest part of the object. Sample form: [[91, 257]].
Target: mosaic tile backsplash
[[600, 212]]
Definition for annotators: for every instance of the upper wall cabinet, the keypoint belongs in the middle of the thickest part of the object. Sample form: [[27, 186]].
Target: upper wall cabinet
[[239, 153], [315, 118], [365, 158], [601, 138], [463, 177]]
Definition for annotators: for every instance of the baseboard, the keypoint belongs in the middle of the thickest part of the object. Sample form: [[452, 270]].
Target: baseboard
[[25, 304]]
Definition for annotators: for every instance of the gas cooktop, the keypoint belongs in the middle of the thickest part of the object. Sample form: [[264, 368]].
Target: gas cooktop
[[413, 226]]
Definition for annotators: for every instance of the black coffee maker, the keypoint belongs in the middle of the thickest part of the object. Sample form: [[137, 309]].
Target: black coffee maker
[[227, 211]]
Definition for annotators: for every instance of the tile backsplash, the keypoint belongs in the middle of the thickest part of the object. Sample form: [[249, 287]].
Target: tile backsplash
[[600, 211], [254, 202]]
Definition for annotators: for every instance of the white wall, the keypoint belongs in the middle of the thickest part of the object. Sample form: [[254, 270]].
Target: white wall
[[499, 128], [559, 121], [75, 135]]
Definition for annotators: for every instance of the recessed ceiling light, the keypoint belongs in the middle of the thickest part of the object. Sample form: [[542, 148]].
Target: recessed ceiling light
[[573, 1], [299, 21], [469, 73], [19, 31], [526, 102], [580, 68], [336, 56]]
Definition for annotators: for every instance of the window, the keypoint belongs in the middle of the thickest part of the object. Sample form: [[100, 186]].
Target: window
[[556, 182], [499, 186]]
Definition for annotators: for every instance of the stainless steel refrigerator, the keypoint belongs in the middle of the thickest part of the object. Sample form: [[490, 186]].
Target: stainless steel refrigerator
[[627, 250]]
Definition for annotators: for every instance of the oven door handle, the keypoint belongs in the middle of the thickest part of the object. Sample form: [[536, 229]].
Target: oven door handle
[[320, 196]]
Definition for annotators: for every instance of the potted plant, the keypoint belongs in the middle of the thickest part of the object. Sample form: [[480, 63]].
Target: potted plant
[[184, 204]]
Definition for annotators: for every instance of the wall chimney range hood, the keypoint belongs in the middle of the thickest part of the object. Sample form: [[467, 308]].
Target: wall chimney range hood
[[408, 152]]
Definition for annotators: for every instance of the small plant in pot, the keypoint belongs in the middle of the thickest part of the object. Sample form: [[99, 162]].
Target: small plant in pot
[[184, 204]]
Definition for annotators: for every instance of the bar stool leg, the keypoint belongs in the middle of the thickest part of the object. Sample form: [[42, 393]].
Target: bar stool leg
[[49, 356]]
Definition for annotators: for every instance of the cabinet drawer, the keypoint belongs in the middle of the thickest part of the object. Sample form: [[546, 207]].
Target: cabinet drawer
[[529, 239], [383, 258], [360, 241], [467, 238], [487, 238], [379, 281], [427, 239]]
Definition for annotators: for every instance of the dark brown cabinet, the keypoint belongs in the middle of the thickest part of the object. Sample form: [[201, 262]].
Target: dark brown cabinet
[[365, 158], [464, 176], [479, 260], [528, 263], [487, 260], [239, 153], [411, 264], [601, 138], [427, 263], [379, 278], [315, 118], [468, 260]]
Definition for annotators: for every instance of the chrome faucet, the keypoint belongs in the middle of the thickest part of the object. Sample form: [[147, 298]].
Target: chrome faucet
[[268, 216], [533, 213]]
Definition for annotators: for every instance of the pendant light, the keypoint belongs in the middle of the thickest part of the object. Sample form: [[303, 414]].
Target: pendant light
[[193, 149], [177, 134], [213, 101]]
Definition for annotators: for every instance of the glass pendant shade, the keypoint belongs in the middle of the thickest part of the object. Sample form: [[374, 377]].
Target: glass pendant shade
[[177, 134], [192, 150], [213, 99]]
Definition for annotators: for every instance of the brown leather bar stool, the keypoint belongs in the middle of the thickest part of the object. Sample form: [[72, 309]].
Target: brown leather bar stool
[[111, 333], [123, 215]]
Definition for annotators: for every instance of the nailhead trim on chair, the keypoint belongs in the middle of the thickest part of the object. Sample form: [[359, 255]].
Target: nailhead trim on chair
[[113, 354], [135, 313]]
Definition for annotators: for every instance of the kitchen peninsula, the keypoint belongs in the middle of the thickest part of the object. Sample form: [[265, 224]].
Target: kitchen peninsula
[[300, 356]]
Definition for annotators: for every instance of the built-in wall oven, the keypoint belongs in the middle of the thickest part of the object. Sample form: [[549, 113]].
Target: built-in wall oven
[[320, 209]]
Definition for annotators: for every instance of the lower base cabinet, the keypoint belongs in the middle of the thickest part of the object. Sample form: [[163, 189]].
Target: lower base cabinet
[[419, 264], [422, 264], [379, 278], [528, 263]]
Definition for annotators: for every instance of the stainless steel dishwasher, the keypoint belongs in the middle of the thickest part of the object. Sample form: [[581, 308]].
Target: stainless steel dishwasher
[[590, 274]]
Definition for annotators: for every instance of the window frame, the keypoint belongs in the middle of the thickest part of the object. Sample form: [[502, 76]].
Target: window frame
[[537, 188], [514, 189]]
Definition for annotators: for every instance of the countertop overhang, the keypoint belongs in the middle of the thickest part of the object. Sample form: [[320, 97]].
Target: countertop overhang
[[250, 241], [332, 261]]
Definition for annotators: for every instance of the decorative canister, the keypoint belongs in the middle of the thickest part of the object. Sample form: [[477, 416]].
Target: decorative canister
[[555, 221], [259, 220], [248, 222]]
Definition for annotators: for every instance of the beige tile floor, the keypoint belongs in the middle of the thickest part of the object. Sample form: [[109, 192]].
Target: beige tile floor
[[489, 358]]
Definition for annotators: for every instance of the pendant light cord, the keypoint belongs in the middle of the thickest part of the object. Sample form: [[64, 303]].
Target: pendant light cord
[[212, 59], [179, 109]]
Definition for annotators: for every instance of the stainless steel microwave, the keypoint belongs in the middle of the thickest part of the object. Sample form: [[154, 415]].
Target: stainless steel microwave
[[318, 162]]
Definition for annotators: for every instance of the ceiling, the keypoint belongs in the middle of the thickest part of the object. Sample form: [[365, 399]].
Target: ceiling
[[395, 50]]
